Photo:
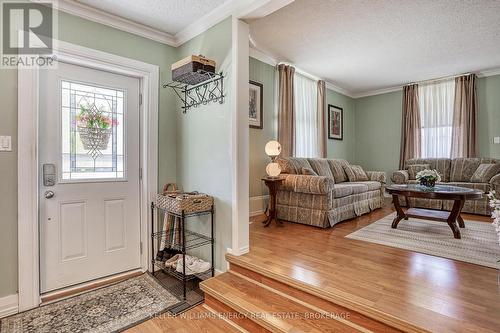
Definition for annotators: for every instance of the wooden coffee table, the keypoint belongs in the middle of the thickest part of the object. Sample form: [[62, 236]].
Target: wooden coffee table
[[440, 192]]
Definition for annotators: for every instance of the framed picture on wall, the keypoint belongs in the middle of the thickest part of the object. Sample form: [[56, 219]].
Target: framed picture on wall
[[335, 122], [255, 105]]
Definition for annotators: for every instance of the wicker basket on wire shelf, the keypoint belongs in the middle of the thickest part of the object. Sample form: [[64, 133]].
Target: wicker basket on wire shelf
[[174, 201]]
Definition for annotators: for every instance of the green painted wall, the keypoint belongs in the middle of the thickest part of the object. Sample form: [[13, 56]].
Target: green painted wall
[[204, 139], [488, 91], [8, 187], [265, 74], [82, 32], [342, 148], [378, 126]]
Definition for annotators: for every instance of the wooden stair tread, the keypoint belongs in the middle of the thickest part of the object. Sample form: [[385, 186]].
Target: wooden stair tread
[[272, 310], [326, 292]]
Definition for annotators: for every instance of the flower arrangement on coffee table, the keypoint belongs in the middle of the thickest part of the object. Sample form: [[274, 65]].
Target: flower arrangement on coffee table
[[495, 214], [428, 178], [95, 128]]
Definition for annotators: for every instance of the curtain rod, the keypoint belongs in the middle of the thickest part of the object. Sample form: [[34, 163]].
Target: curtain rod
[[437, 79]]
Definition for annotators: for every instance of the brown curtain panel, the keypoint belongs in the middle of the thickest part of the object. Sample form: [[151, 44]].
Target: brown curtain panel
[[464, 135], [410, 127], [286, 126], [321, 118]]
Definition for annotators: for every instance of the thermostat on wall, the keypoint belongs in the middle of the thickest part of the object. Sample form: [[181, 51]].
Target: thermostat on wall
[[5, 143]]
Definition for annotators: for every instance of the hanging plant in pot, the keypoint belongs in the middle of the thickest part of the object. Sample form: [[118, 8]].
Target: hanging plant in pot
[[95, 128], [428, 178]]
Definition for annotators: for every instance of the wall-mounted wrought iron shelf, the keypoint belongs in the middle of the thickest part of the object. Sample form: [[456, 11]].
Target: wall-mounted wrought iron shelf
[[191, 96]]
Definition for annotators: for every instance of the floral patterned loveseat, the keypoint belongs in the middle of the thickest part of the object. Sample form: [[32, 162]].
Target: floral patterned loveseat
[[464, 172], [325, 196]]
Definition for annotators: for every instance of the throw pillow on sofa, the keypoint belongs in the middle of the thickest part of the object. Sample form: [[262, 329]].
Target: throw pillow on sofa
[[462, 169], [413, 169], [308, 172], [485, 172], [355, 173]]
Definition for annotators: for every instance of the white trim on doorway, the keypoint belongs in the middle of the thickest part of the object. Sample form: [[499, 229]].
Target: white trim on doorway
[[28, 177]]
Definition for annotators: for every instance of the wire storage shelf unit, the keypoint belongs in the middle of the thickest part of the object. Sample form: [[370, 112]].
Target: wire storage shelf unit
[[191, 96], [188, 240]]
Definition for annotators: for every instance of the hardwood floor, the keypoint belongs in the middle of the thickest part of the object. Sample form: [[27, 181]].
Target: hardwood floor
[[321, 270], [436, 294], [198, 319]]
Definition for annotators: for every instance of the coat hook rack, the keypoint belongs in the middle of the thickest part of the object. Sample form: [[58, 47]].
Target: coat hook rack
[[210, 90]]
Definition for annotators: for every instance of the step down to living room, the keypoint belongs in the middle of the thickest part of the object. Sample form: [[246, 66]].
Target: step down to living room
[[257, 304]]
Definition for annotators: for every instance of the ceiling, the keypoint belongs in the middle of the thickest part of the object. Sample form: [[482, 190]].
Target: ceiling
[[170, 16], [368, 45]]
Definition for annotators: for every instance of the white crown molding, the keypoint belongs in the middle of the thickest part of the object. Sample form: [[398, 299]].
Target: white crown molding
[[489, 72], [95, 15], [377, 92], [485, 73], [209, 20], [338, 89], [240, 9], [261, 56]]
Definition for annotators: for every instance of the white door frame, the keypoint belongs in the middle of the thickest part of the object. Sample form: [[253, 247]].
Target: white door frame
[[28, 167]]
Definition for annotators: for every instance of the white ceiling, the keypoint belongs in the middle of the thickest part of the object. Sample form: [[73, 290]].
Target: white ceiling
[[367, 45], [170, 16]]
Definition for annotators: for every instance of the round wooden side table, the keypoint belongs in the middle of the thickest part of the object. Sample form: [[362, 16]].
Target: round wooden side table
[[272, 184]]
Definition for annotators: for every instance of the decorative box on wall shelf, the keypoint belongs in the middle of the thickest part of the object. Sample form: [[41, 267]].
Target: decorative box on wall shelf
[[193, 70]]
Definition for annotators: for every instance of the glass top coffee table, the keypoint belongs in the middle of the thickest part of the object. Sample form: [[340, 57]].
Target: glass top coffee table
[[440, 192]]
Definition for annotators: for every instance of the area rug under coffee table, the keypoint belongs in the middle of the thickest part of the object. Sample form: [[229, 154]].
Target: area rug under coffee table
[[109, 309], [479, 243]]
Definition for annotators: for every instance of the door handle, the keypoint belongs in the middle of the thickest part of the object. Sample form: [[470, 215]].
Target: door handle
[[49, 194]]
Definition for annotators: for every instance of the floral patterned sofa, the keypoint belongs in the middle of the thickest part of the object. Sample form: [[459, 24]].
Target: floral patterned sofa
[[318, 192], [464, 172]]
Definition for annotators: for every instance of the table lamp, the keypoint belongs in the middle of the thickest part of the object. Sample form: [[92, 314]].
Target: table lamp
[[273, 150]]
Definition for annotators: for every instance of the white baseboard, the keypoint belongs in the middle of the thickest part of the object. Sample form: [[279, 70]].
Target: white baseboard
[[9, 305], [239, 252], [258, 204]]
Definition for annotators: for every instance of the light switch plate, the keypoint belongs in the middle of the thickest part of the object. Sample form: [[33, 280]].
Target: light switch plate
[[496, 139], [5, 143]]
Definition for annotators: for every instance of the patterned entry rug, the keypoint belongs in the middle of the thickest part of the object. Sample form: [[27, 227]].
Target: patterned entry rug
[[479, 243], [109, 309]]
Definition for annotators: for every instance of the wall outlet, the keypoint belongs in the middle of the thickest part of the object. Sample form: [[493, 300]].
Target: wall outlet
[[5, 143], [496, 139]]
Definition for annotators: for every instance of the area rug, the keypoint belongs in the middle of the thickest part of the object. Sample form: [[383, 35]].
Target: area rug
[[109, 309], [478, 245]]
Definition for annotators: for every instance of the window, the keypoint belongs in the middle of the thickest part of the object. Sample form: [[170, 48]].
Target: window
[[436, 116], [306, 117], [92, 139]]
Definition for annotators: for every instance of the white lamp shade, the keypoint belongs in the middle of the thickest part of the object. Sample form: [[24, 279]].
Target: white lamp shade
[[273, 169], [273, 148]]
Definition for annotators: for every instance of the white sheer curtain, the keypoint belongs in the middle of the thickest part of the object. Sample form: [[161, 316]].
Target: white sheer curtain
[[436, 114], [305, 93]]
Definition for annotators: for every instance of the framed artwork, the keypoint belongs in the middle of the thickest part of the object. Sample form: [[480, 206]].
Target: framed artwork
[[335, 122], [255, 105]]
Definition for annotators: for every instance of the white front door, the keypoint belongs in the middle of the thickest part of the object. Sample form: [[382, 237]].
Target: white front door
[[89, 175]]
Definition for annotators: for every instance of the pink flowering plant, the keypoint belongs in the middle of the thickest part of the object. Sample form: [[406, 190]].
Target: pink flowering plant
[[495, 214], [91, 117]]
